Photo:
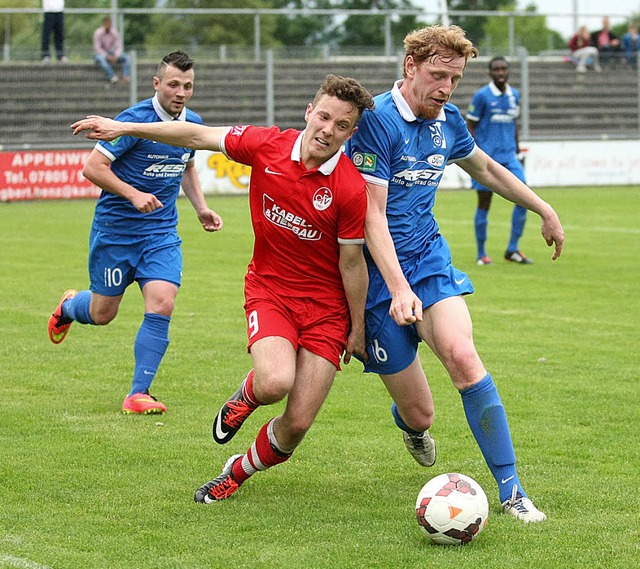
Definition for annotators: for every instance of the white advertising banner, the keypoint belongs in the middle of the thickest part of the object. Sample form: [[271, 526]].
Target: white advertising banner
[[571, 163], [57, 174]]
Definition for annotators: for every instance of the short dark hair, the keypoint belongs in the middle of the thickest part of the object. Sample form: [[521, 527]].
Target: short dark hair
[[178, 59], [346, 89], [496, 59]]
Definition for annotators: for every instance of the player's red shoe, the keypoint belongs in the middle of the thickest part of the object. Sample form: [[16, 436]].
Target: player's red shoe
[[58, 325], [142, 404]]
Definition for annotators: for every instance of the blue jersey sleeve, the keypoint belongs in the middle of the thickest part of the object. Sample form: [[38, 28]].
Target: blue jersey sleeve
[[370, 148], [114, 149]]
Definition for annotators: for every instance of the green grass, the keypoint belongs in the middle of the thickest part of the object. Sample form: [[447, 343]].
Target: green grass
[[82, 486]]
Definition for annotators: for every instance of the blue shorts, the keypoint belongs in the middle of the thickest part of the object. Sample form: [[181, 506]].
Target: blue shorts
[[115, 261], [514, 166], [392, 348]]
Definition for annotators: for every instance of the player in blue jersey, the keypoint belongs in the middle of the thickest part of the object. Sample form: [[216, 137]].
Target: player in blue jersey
[[415, 294], [491, 118], [134, 233]]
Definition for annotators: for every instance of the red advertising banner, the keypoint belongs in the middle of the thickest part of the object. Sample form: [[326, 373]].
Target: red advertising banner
[[44, 174]]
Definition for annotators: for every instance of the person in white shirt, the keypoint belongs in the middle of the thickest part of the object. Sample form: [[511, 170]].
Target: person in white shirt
[[53, 23]]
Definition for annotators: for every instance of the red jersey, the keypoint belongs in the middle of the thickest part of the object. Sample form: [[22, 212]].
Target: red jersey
[[299, 216]]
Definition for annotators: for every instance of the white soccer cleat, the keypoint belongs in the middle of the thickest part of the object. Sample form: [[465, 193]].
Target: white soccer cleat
[[422, 447], [522, 508]]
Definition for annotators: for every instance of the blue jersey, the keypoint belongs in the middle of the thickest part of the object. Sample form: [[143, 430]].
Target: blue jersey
[[148, 166], [495, 114], [394, 148]]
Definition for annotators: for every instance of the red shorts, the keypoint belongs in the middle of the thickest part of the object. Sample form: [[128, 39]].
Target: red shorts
[[320, 326]]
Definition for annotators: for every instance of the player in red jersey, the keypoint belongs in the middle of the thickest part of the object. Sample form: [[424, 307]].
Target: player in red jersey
[[306, 284]]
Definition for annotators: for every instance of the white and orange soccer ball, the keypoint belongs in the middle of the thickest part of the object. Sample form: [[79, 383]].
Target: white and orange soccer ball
[[452, 509]]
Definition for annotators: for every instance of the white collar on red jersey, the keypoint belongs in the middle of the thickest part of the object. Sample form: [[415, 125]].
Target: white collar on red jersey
[[325, 168]]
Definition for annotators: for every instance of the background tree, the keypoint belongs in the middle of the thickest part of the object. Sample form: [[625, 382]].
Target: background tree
[[191, 30], [473, 25], [530, 32], [304, 30], [370, 30]]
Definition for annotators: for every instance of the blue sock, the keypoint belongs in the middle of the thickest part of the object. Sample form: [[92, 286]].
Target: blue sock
[[149, 349], [77, 308], [488, 422], [481, 221], [518, 219], [398, 420]]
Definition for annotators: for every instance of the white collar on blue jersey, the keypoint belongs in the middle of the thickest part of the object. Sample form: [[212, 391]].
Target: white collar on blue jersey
[[164, 115], [403, 107], [497, 91], [326, 167]]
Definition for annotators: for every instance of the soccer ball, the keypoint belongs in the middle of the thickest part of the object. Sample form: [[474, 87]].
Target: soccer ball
[[452, 509]]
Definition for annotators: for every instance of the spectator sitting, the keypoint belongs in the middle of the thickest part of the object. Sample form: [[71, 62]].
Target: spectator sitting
[[108, 51], [583, 52], [607, 42], [631, 45]]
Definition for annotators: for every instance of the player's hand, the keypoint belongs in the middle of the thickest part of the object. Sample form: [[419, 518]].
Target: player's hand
[[356, 345], [145, 203], [553, 233], [406, 307], [97, 127], [210, 220]]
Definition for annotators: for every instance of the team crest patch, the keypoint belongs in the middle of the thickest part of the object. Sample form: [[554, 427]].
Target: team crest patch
[[364, 162], [322, 198]]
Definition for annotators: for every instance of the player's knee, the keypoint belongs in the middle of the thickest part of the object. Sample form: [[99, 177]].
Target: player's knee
[[271, 387], [464, 366], [164, 306], [418, 417]]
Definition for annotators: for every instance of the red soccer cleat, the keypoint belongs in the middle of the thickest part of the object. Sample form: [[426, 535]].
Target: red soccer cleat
[[58, 325], [142, 404]]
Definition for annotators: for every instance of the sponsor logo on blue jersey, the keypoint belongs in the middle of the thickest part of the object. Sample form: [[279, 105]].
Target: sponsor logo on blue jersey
[[419, 173], [169, 168], [364, 162]]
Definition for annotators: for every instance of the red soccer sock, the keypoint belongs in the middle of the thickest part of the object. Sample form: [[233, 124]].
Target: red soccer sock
[[247, 391], [262, 454]]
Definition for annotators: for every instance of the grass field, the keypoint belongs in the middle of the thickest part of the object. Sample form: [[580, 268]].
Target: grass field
[[82, 486]]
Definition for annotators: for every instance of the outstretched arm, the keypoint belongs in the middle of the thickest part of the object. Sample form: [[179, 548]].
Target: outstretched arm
[[497, 178], [176, 133]]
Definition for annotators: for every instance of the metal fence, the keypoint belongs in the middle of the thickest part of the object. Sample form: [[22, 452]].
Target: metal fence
[[122, 16]]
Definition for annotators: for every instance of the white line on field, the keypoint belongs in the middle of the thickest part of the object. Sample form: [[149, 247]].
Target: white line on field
[[12, 561]]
